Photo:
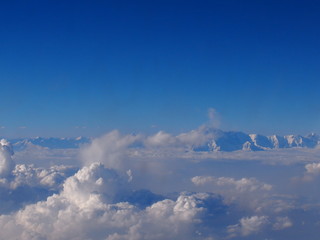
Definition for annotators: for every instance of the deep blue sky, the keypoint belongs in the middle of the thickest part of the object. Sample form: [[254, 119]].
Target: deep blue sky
[[132, 65]]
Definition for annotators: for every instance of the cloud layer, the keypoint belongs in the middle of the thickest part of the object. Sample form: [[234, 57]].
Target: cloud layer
[[153, 187]]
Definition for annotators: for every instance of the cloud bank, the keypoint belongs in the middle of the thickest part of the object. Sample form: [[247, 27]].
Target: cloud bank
[[157, 187]]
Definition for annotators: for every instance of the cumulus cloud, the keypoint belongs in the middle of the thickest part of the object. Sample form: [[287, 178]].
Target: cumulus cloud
[[248, 226], [27, 184], [29, 175], [247, 193], [108, 149], [87, 208], [22, 184]]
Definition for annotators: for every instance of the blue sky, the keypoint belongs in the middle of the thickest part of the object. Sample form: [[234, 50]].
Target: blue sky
[[72, 68]]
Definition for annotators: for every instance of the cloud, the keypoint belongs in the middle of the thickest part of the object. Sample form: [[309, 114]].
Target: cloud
[[246, 193], [87, 208], [311, 174], [109, 149], [51, 177], [256, 224], [248, 226], [241, 185], [194, 138], [138, 187], [45, 157], [6, 162], [214, 118], [27, 184], [313, 168], [282, 223], [161, 139], [22, 184]]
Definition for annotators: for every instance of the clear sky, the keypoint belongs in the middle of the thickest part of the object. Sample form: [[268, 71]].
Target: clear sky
[[72, 68]]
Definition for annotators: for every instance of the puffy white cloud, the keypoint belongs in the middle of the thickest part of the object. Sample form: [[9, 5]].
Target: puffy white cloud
[[92, 182], [109, 149], [23, 184], [248, 226], [28, 184], [29, 175], [86, 209]]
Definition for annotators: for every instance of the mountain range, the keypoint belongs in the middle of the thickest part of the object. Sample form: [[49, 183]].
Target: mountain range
[[214, 140], [218, 140], [19, 144]]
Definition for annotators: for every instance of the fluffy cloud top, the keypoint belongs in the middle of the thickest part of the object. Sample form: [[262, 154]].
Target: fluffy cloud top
[[87, 209]]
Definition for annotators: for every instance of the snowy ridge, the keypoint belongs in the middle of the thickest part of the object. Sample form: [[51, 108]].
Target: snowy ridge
[[218, 140], [203, 139], [51, 143]]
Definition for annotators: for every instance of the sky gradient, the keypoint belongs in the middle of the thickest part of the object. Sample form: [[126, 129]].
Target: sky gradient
[[83, 68]]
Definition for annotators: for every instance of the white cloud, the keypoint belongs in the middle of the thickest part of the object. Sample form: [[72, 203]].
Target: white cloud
[[193, 138], [282, 223], [248, 226], [161, 139], [131, 187], [241, 185], [6, 162], [246, 193], [51, 177], [45, 157], [85, 209], [313, 168], [108, 149], [311, 174]]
